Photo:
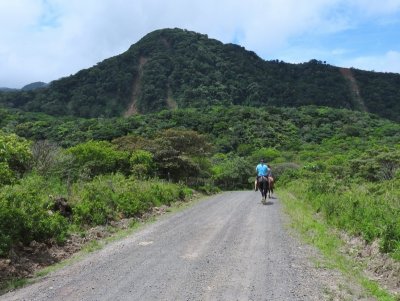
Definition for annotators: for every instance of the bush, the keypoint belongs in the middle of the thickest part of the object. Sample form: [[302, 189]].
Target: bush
[[15, 156], [97, 157], [24, 216], [111, 197], [281, 168], [6, 174], [377, 164], [231, 172], [45, 157], [142, 163]]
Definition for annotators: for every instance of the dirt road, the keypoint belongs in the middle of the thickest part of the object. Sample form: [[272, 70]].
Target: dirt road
[[226, 247]]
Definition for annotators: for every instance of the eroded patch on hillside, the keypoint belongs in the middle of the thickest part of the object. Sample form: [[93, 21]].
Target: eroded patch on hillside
[[132, 109], [171, 101], [355, 91], [166, 42]]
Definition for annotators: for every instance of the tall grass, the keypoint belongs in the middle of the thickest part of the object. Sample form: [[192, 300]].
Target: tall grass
[[371, 210], [320, 234]]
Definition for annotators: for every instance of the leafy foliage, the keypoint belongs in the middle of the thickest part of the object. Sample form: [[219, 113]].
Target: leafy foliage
[[344, 163], [24, 216], [142, 163], [97, 157], [231, 172], [15, 155], [26, 208], [111, 197]]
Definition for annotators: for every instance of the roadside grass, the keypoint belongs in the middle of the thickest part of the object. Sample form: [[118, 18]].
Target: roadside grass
[[13, 284], [315, 231], [98, 244]]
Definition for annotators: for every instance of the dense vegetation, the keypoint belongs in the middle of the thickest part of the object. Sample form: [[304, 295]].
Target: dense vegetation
[[177, 68], [100, 183], [345, 163]]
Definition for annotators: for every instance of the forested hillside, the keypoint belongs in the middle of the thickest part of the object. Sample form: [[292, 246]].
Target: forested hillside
[[342, 164], [174, 68]]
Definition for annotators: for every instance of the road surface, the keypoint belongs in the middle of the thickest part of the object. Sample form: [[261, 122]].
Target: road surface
[[226, 247]]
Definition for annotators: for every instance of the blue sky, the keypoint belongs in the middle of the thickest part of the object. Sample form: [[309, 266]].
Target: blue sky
[[43, 40]]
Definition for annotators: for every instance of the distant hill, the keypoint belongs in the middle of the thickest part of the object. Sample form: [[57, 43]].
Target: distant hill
[[29, 87], [34, 86], [4, 89], [174, 68]]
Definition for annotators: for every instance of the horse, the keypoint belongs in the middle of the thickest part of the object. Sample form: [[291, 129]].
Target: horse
[[263, 186], [270, 186]]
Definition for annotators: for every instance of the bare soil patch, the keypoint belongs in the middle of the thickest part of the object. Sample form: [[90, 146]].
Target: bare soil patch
[[377, 266]]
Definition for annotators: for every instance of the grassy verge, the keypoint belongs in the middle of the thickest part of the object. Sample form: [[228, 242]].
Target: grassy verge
[[316, 232]]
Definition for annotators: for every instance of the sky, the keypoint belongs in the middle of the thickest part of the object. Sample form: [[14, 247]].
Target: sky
[[43, 40]]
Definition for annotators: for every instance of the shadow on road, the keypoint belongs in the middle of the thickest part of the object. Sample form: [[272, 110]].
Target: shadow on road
[[267, 203]]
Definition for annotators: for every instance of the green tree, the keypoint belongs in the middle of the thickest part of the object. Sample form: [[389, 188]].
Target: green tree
[[268, 154], [231, 171], [15, 157]]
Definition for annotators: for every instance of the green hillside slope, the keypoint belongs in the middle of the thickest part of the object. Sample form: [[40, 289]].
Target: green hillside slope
[[174, 68]]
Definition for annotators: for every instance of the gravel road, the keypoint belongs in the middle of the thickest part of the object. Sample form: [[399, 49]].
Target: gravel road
[[226, 247]]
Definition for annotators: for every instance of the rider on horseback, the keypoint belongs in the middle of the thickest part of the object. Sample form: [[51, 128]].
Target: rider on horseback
[[262, 171]]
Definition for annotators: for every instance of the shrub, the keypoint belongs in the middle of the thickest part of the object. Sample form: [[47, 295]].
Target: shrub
[[6, 174], [98, 157], [377, 164], [24, 216], [281, 168], [142, 163], [15, 156], [45, 156], [231, 172], [111, 197]]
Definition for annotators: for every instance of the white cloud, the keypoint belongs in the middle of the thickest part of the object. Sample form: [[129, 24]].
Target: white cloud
[[376, 7], [47, 39], [389, 62]]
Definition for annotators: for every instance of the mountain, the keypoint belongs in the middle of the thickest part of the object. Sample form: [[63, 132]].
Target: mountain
[[34, 86], [175, 68]]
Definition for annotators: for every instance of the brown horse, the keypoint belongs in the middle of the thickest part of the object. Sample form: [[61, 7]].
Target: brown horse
[[270, 186], [263, 186]]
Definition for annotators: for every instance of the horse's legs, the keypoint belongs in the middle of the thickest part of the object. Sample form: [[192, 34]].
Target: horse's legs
[[265, 189], [270, 187], [260, 188]]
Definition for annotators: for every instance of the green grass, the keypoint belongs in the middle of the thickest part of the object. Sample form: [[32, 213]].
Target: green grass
[[315, 231], [13, 284]]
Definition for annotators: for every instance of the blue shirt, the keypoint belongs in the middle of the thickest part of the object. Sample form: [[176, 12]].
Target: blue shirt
[[262, 169]]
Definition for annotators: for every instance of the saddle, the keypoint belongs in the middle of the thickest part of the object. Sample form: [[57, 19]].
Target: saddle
[[262, 179]]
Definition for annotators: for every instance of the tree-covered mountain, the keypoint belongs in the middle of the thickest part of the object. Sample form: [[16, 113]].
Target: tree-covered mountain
[[172, 68]]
